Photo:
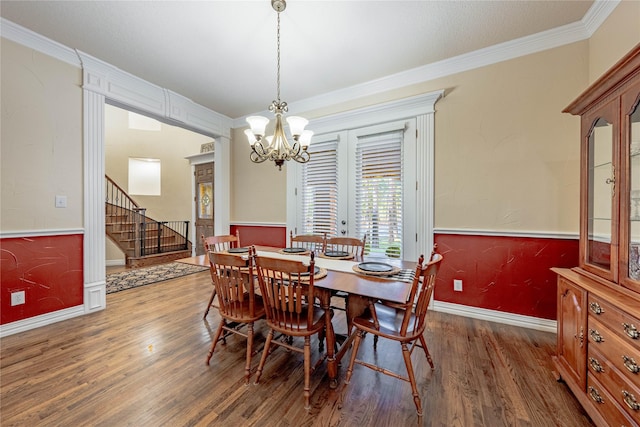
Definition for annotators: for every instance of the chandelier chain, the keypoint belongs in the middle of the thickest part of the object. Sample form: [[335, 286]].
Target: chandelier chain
[[278, 65]]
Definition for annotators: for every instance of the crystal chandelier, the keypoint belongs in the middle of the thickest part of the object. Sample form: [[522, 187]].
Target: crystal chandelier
[[276, 147]]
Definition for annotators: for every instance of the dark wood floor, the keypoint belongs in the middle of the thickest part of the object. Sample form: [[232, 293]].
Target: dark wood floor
[[141, 362]]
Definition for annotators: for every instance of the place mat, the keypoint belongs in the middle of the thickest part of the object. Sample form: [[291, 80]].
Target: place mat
[[321, 273], [382, 272], [294, 251], [400, 275], [347, 256]]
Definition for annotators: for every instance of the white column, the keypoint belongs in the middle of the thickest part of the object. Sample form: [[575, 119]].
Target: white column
[[94, 202], [425, 176], [222, 186]]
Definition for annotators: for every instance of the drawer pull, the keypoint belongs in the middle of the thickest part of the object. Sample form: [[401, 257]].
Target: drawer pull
[[595, 395], [631, 331], [595, 307], [630, 364], [595, 335], [630, 400], [595, 365]]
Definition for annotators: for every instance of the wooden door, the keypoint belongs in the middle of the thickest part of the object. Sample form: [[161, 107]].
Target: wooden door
[[204, 203]]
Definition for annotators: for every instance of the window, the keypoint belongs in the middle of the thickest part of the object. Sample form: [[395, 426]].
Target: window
[[378, 197], [319, 190], [144, 177]]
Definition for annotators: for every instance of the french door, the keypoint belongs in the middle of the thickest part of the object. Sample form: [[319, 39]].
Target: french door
[[361, 182]]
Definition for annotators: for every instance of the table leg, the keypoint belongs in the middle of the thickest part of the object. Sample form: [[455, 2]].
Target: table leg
[[332, 363]]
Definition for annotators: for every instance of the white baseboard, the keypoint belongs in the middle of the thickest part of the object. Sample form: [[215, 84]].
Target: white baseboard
[[114, 262], [42, 320], [529, 322]]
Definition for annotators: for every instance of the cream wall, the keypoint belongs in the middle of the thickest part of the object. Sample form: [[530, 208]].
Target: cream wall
[[506, 157], [614, 38], [171, 145], [258, 191], [41, 141]]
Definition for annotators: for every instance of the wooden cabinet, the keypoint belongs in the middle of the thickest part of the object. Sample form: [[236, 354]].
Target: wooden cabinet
[[598, 353]]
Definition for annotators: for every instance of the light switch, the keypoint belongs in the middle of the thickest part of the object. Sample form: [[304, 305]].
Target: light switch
[[61, 201]]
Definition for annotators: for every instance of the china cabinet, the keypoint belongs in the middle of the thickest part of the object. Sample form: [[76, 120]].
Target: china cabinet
[[598, 354]]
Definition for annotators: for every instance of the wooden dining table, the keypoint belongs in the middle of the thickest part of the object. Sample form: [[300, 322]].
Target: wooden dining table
[[360, 289]]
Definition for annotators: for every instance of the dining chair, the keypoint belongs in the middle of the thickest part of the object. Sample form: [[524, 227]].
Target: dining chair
[[238, 303], [312, 242], [402, 323], [218, 244], [288, 292], [351, 245]]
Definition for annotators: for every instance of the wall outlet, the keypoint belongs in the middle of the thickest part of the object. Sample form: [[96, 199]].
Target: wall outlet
[[457, 285], [17, 298], [61, 201]]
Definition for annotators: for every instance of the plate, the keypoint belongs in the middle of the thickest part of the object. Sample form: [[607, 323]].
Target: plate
[[237, 250], [336, 254], [375, 267], [294, 250], [316, 270]]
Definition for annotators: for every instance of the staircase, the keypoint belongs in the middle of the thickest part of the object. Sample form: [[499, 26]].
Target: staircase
[[143, 240]]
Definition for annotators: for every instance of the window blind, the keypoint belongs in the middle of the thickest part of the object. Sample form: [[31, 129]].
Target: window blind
[[379, 177], [319, 192]]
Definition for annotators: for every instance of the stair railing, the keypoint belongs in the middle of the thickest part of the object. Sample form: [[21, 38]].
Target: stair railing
[[170, 235]]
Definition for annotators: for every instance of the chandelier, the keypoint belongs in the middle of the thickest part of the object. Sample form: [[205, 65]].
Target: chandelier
[[276, 147]]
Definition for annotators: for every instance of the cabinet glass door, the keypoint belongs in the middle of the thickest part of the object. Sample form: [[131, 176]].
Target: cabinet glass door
[[601, 187], [633, 236]]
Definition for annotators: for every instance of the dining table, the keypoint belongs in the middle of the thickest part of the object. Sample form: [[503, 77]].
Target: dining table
[[341, 276]]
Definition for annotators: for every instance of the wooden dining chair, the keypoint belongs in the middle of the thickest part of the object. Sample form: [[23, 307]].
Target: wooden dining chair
[[312, 242], [238, 303], [352, 245], [288, 292], [402, 323], [218, 244]]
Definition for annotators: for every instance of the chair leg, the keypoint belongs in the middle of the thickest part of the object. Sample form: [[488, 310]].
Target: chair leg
[[352, 360], [247, 369], [215, 339], [265, 353], [426, 351], [213, 295], [412, 379], [307, 372]]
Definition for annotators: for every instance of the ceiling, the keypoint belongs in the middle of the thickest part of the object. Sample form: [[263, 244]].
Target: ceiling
[[222, 54]]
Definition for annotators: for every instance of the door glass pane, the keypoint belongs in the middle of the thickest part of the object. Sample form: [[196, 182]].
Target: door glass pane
[[600, 194], [379, 191], [634, 206], [318, 209], [205, 200]]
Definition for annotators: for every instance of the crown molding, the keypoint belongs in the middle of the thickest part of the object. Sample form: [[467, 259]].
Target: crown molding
[[556, 37], [597, 14], [35, 41]]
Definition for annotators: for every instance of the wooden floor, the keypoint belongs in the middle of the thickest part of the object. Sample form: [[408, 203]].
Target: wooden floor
[[141, 362]]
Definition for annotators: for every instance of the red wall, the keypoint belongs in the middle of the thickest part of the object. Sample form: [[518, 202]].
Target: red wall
[[508, 274], [47, 268], [259, 235]]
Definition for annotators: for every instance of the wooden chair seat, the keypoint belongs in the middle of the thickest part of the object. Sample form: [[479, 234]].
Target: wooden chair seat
[[389, 323], [300, 326]]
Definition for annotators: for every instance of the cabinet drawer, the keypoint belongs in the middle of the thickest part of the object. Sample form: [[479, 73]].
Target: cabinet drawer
[[617, 351], [619, 321], [626, 394], [606, 405]]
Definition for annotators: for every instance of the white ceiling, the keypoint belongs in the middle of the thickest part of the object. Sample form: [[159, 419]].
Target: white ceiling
[[222, 54]]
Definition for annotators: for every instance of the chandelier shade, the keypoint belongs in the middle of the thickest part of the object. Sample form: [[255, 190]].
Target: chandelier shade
[[276, 147]]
